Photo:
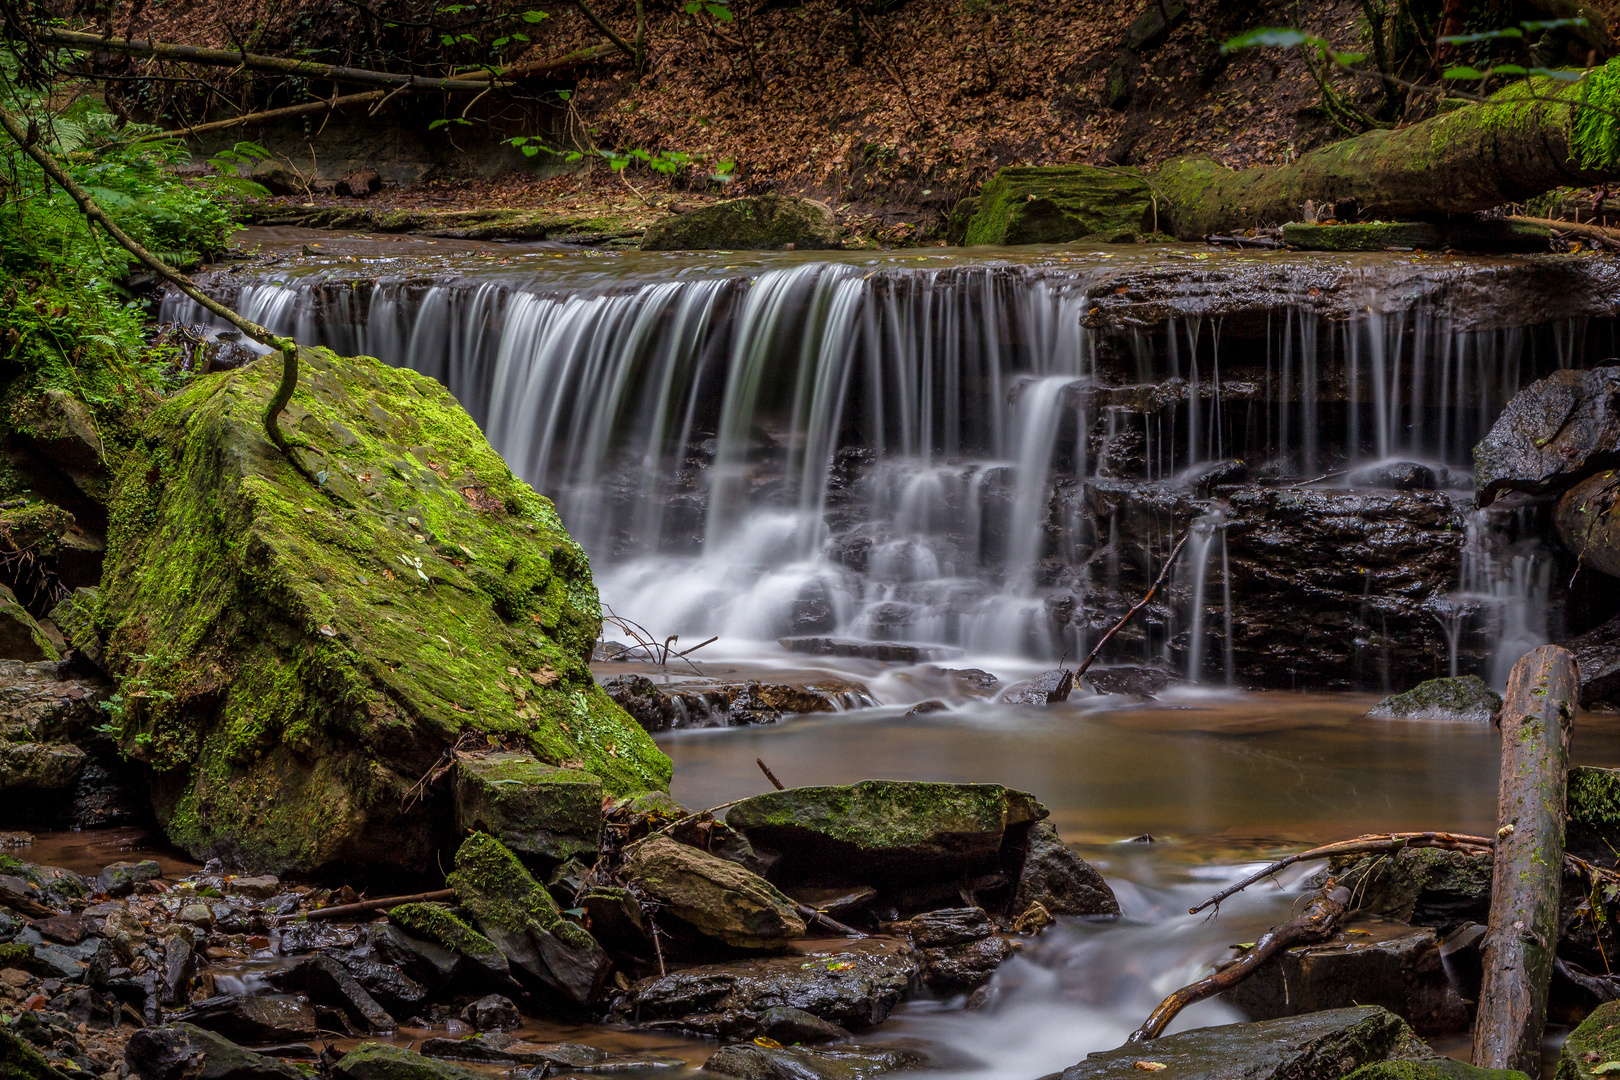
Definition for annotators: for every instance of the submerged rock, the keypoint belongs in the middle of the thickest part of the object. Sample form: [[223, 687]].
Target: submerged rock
[[1059, 880], [855, 985], [756, 223], [188, 1052], [310, 649], [541, 812], [1055, 204], [1460, 697], [849, 1062], [718, 899], [1552, 433], [1316, 1046]]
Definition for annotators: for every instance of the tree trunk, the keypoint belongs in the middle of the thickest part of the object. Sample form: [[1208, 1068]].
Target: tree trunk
[[1513, 147], [1527, 875]]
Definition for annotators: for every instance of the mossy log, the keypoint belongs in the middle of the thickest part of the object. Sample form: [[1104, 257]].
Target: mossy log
[[1527, 877]]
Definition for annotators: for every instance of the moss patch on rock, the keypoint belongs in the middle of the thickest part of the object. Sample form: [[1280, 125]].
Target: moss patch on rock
[[1592, 1045], [19, 1061], [1434, 1069], [294, 658], [1462, 697], [438, 924], [757, 223], [1055, 204]]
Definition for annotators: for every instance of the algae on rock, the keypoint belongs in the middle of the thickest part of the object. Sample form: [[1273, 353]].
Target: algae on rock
[[296, 659], [1060, 203]]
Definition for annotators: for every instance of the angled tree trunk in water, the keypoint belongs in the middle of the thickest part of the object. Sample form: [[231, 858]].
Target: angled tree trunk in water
[[1528, 873]]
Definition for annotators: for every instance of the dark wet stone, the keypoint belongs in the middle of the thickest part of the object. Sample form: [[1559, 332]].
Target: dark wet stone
[[1552, 433], [187, 1052], [1137, 682], [253, 1018], [1395, 475], [962, 968], [378, 1061], [1399, 970], [1059, 880], [1598, 654], [788, 1026], [1587, 524], [640, 697], [179, 957], [850, 1062], [559, 1057], [423, 962], [1462, 697], [971, 682], [948, 926], [67, 929], [327, 982], [1316, 1046], [854, 986], [302, 937], [120, 878], [1421, 886], [394, 990], [894, 652], [1049, 689], [492, 1012]]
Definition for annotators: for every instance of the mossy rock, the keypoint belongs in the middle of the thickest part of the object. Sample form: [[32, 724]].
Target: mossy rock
[[543, 813], [1592, 802], [21, 638], [1420, 886], [297, 654], [438, 924], [517, 913], [1461, 697], [1055, 204], [380, 1061], [887, 830], [718, 899], [757, 223], [1592, 1045], [1362, 236], [20, 1061], [1433, 1069]]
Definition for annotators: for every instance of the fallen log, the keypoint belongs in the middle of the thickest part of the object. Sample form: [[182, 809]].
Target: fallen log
[[382, 903], [1319, 921], [1527, 874]]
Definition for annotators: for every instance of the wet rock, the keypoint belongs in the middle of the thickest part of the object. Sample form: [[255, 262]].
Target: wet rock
[[1462, 697], [1420, 886], [1061, 203], [1433, 1069], [885, 830], [616, 921], [923, 708], [253, 1018], [1394, 475], [388, 984], [542, 813], [558, 1057], [19, 1061], [179, 959], [502, 617], [378, 1061], [422, 962], [279, 178], [855, 986], [640, 697], [38, 767], [1049, 689], [1059, 880], [962, 969], [1316, 1046], [197, 915], [120, 878], [492, 1012], [262, 887], [789, 1026], [188, 1052], [1595, 1042], [301, 937], [890, 652], [948, 926], [730, 704], [717, 898], [752, 1062], [757, 223], [516, 913], [1552, 433], [971, 682], [67, 929], [1598, 653], [21, 638], [1138, 682], [1398, 969], [359, 184], [1587, 523], [327, 982], [430, 931], [61, 431]]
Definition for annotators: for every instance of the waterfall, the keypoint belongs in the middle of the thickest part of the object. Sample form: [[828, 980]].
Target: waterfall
[[916, 451]]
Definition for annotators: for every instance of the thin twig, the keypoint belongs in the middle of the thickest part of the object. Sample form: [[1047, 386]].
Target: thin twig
[[766, 769], [1163, 573]]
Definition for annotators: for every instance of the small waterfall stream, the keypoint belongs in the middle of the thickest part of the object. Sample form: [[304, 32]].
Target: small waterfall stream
[[986, 460]]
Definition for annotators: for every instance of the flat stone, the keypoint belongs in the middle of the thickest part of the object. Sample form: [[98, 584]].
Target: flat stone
[[1461, 697], [788, 1026], [539, 811], [719, 899], [1553, 433], [262, 887], [188, 1052], [1059, 880], [253, 1018], [757, 223], [1316, 1046], [1049, 689], [120, 878], [328, 983]]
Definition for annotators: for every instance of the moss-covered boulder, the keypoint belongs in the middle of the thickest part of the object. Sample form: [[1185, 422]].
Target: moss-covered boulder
[[1054, 204], [380, 1061], [1591, 1049], [296, 654], [1420, 886], [1462, 697], [19, 1061], [757, 223], [718, 899], [880, 831], [436, 924], [543, 813], [1593, 805], [520, 917], [1362, 236], [1432, 1069], [21, 638]]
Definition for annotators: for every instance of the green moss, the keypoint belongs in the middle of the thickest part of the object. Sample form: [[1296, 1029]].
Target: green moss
[[1432, 1069], [1061, 203], [888, 814], [293, 660], [379, 1061], [538, 810], [1460, 697], [1592, 1045], [758, 223], [14, 953], [491, 882], [1375, 236], [19, 1061], [440, 925]]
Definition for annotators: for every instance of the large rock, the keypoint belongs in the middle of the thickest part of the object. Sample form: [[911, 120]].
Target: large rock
[[1421, 886], [958, 949], [188, 1052], [747, 1061], [887, 830], [1059, 880], [543, 813], [308, 650], [1593, 1044], [1552, 433], [756, 223], [517, 913], [1597, 652], [39, 767], [1316, 1046], [253, 1018], [719, 899], [21, 638], [433, 944], [854, 985], [48, 701], [1588, 523], [1459, 697], [1054, 204], [380, 1061], [1433, 1069]]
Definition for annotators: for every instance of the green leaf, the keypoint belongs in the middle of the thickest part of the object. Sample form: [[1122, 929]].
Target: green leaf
[[565, 94], [1483, 35], [534, 16], [1535, 26], [500, 42], [573, 156], [518, 140], [1462, 73], [530, 151], [720, 13], [1508, 69], [1345, 59], [1270, 37], [1606, 1067], [520, 37]]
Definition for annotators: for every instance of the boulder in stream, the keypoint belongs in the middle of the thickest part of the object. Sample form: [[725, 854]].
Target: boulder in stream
[[188, 1052], [1588, 524], [1553, 433], [756, 223], [1059, 880], [718, 899], [1459, 697], [1315, 1046], [311, 645], [1597, 652], [544, 814]]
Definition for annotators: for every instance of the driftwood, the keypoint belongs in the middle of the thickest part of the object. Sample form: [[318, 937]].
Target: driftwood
[[1526, 879], [1164, 573], [1320, 920], [364, 907], [1572, 228], [766, 769]]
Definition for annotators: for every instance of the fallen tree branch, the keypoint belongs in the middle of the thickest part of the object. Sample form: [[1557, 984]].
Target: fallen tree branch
[[87, 206], [266, 116], [1373, 844], [1591, 232], [343, 911], [810, 914], [1140, 604], [1318, 922], [596, 21], [766, 769]]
